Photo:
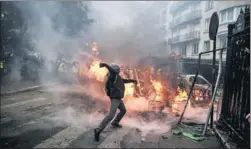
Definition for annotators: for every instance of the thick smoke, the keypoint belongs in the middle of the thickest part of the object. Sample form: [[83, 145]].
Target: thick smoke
[[123, 27], [48, 41], [74, 118], [121, 33], [118, 28]]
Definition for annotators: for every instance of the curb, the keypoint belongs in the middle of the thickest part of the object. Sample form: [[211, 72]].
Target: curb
[[27, 89], [224, 138]]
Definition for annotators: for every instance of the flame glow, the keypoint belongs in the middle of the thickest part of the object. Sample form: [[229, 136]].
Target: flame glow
[[97, 72], [129, 90], [153, 89], [158, 90], [182, 95]]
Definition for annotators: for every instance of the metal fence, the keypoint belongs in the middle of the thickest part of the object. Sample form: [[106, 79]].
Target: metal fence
[[236, 95]]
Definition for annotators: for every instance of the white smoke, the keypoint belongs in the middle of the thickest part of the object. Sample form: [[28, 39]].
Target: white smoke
[[78, 119], [114, 31]]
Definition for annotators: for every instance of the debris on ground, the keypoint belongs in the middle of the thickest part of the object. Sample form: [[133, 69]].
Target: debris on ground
[[188, 131], [164, 137]]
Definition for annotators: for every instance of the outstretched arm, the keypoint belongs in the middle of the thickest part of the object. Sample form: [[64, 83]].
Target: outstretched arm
[[129, 81], [108, 67]]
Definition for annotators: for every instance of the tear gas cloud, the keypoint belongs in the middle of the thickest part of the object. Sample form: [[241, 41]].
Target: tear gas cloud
[[121, 30], [114, 28], [118, 29], [74, 118]]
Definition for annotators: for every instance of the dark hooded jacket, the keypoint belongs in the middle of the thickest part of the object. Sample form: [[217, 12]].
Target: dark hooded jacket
[[115, 87]]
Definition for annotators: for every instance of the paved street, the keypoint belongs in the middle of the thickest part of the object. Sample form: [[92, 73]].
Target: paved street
[[9, 86], [63, 117]]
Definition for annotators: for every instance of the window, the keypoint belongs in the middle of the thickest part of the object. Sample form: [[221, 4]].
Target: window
[[207, 46], [223, 42], [209, 5], [227, 15], [195, 48], [207, 24], [199, 80]]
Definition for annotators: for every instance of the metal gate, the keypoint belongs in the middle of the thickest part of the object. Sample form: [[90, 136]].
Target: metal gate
[[236, 95]]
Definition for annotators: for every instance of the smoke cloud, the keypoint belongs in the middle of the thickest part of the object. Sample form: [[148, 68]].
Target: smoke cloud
[[74, 118], [122, 37], [121, 29], [113, 29]]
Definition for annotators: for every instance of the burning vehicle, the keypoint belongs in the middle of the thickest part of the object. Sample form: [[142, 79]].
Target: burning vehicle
[[202, 91]]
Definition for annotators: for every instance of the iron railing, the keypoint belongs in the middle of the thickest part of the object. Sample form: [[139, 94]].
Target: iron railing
[[236, 94]]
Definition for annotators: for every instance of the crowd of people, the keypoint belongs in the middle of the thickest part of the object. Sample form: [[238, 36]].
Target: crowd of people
[[67, 70]]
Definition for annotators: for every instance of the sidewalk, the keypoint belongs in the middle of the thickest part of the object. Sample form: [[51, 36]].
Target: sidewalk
[[179, 141]]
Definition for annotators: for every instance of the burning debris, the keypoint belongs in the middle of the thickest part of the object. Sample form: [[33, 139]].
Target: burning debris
[[152, 93], [154, 104]]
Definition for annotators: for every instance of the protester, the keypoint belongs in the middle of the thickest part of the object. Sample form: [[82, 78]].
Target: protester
[[115, 89]]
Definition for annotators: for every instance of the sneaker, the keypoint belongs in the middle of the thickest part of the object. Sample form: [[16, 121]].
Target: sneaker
[[116, 125], [96, 134]]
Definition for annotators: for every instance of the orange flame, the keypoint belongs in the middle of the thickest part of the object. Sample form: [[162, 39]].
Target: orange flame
[[197, 94], [97, 72], [132, 102], [158, 90], [129, 89], [182, 96]]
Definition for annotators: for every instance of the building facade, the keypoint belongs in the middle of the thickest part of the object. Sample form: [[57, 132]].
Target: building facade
[[188, 32]]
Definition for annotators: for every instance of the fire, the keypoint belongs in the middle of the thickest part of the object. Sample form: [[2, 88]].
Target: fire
[[152, 89], [182, 95], [129, 89], [174, 107], [158, 90], [197, 94], [97, 72], [139, 103]]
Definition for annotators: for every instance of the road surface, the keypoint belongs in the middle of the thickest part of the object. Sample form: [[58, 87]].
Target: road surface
[[62, 119]]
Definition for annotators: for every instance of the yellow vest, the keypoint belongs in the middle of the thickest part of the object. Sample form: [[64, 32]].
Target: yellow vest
[[1, 65], [61, 67]]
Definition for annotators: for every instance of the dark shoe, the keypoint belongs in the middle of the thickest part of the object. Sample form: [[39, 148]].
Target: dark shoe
[[96, 134], [116, 125]]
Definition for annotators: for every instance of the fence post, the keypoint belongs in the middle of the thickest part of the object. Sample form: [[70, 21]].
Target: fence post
[[227, 71]]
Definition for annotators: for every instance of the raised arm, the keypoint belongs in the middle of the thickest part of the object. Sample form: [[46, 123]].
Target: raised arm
[[108, 67]]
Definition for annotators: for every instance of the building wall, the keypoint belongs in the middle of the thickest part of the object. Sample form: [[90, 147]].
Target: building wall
[[217, 6], [184, 29]]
